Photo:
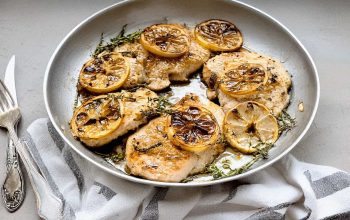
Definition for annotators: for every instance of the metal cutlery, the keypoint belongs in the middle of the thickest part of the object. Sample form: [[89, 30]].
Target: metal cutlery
[[9, 116], [13, 188]]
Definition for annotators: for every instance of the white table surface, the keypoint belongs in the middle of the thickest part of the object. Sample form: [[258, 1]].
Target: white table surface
[[31, 29]]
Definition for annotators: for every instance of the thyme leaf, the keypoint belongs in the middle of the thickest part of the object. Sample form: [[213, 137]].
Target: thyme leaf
[[163, 105], [121, 97], [285, 122], [188, 179], [157, 106], [219, 173], [114, 157], [261, 152], [120, 39]]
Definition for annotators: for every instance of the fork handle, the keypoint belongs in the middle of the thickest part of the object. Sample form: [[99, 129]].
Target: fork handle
[[12, 156], [46, 200], [13, 190]]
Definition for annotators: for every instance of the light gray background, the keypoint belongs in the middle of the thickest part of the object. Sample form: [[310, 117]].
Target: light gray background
[[31, 29]]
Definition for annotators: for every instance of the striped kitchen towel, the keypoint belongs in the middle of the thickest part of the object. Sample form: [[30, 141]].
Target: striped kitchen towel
[[290, 189]]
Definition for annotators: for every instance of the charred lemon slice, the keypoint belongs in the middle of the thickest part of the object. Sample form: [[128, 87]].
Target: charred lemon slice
[[166, 40], [249, 126], [193, 128], [105, 73], [96, 119], [243, 78], [218, 35]]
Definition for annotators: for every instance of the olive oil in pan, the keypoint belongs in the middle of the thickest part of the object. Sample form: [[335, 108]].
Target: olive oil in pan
[[195, 85]]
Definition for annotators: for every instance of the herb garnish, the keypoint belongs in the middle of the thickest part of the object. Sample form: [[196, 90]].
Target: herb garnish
[[285, 122], [121, 97], [114, 157], [157, 106], [163, 105], [116, 41], [188, 179], [219, 173]]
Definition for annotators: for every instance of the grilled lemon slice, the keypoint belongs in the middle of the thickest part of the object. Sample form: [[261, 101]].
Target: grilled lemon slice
[[166, 40], [95, 120], [105, 73], [250, 125], [243, 78], [193, 128], [218, 35]]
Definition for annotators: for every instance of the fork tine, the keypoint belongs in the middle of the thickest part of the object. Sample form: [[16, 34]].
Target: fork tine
[[1, 108], [6, 95], [3, 103]]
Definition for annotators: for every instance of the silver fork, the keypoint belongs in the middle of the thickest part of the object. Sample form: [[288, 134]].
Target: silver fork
[[9, 116]]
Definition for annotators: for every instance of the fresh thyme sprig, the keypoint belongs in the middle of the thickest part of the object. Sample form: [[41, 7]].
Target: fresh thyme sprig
[[163, 105], [116, 41], [114, 157], [218, 173], [285, 122], [188, 179], [261, 152], [157, 106], [121, 96]]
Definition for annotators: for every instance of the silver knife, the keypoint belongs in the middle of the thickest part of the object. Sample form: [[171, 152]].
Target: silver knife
[[12, 190]]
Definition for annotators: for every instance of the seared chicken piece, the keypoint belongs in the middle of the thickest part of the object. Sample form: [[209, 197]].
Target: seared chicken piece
[[133, 50], [104, 118], [136, 76], [136, 56], [160, 71], [274, 94], [151, 154]]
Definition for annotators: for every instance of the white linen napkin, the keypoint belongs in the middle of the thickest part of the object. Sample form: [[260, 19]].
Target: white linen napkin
[[290, 189]]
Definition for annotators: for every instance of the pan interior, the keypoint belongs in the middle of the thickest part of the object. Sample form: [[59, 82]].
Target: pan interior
[[261, 34]]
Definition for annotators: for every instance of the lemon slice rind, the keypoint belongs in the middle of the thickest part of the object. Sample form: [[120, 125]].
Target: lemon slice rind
[[105, 73], [165, 40], [259, 126]]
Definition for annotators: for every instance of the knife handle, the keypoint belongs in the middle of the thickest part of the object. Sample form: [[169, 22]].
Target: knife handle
[[13, 189], [47, 202]]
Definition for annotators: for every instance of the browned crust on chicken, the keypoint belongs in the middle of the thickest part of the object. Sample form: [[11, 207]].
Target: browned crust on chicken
[[134, 104], [273, 95], [161, 71], [151, 155]]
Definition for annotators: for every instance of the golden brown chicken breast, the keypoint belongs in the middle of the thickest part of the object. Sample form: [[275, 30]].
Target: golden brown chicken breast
[[171, 147], [247, 76], [104, 118]]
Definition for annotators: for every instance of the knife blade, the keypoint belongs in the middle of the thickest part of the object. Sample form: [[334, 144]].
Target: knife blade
[[9, 79]]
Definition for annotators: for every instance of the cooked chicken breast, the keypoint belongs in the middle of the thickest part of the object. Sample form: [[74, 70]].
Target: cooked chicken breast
[[160, 71], [136, 56], [274, 94], [136, 76], [104, 118], [151, 155], [133, 50]]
